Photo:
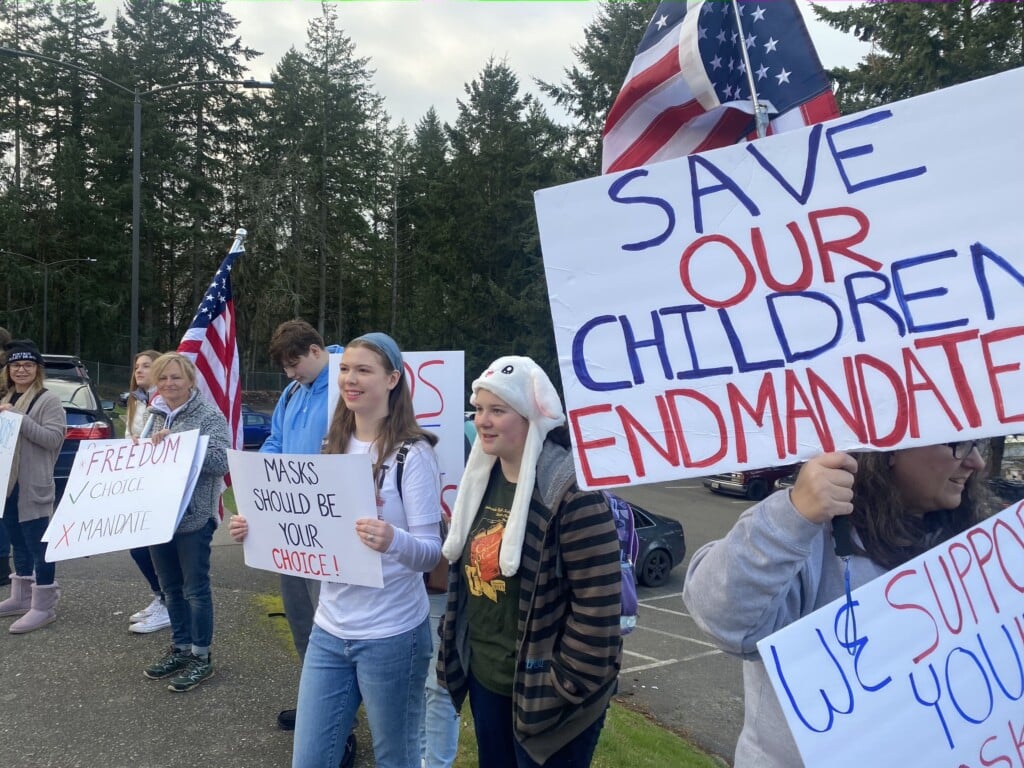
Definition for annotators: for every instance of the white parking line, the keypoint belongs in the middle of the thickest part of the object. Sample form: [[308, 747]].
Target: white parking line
[[664, 610], [642, 667], [673, 636], [638, 655]]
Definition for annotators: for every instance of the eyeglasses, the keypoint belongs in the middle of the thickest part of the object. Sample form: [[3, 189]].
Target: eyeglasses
[[23, 365], [962, 449]]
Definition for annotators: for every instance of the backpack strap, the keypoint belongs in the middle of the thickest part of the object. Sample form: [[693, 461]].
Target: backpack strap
[[400, 464], [290, 393]]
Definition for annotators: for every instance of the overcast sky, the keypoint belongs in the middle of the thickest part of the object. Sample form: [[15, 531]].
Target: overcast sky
[[423, 52]]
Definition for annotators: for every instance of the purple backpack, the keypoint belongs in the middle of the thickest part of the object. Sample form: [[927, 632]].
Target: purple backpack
[[629, 548]]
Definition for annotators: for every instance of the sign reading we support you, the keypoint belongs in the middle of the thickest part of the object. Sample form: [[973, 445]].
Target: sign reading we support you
[[302, 511], [933, 673], [858, 284]]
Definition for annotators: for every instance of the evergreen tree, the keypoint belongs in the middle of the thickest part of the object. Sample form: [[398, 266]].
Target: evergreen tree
[[504, 148], [920, 47], [592, 84]]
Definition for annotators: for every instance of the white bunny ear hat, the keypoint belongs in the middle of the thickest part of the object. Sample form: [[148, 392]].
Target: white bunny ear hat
[[522, 384]]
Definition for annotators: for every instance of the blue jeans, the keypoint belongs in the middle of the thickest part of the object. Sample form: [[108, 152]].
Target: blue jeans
[[439, 736], [498, 746], [183, 565], [26, 540], [144, 560], [386, 675]]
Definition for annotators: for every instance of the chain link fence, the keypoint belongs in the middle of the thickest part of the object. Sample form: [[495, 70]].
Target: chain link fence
[[111, 380]]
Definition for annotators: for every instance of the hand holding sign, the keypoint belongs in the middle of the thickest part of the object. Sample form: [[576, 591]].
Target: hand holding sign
[[824, 487], [376, 534]]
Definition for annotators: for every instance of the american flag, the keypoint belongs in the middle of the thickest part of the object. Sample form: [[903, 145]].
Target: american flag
[[209, 342], [687, 90]]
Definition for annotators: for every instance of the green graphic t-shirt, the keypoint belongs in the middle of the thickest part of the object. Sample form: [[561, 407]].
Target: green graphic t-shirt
[[493, 600]]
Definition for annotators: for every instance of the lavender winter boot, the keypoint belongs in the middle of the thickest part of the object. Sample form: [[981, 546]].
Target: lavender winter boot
[[44, 601], [21, 596]]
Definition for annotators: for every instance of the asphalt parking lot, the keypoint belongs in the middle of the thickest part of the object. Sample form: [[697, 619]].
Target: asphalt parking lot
[[669, 669]]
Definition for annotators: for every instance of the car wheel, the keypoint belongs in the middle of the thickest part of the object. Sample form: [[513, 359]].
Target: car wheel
[[655, 568], [757, 490]]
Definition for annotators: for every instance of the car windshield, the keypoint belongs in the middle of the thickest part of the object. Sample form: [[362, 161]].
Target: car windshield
[[76, 394]]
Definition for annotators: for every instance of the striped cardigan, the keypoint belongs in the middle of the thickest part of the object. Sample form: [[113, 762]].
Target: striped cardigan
[[569, 645]]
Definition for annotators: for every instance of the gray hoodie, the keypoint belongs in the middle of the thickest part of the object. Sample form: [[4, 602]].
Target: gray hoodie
[[772, 568]]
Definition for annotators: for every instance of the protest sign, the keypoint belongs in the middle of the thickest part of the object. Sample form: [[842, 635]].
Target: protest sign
[[10, 426], [852, 285], [301, 512], [438, 386], [121, 495], [934, 674]]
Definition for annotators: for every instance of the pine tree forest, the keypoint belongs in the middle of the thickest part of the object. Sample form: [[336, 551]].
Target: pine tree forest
[[354, 223]]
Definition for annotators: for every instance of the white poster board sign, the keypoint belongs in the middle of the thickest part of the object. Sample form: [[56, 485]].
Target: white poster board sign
[[121, 495], [301, 511], [852, 285], [438, 385], [935, 676], [10, 426]]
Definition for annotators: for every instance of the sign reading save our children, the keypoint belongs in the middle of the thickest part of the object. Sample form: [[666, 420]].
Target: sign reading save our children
[[852, 285], [932, 671], [121, 495]]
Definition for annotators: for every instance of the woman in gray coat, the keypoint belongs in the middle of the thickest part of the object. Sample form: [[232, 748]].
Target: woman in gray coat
[[183, 563], [30, 490]]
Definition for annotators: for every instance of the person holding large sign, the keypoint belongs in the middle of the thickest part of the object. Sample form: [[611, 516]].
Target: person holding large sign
[[778, 563], [183, 563], [373, 645], [531, 632], [30, 490]]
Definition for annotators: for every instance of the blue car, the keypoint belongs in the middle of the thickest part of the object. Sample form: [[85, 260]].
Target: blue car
[[255, 428]]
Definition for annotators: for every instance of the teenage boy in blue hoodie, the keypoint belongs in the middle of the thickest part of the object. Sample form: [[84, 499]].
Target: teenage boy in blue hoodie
[[298, 425]]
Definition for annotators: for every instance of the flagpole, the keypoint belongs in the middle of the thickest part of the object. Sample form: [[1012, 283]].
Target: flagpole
[[760, 114], [239, 240]]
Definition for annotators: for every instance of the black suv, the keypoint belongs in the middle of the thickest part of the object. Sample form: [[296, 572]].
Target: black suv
[[88, 417]]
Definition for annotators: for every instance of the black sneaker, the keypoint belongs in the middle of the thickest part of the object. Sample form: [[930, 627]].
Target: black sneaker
[[286, 719], [348, 758], [198, 669], [172, 661]]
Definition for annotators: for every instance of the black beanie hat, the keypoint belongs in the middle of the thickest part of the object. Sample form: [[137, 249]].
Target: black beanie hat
[[22, 349]]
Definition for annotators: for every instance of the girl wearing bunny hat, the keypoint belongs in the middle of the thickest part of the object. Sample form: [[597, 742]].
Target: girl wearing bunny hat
[[531, 632]]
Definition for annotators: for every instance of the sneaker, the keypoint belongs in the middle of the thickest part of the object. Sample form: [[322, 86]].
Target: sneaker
[[171, 662], [286, 719], [146, 612], [198, 669], [158, 619], [348, 757]]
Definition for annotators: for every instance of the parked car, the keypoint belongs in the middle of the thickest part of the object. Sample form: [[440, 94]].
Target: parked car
[[662, 546], [88, 417], [255, 429], [753, 484], [662, 541]]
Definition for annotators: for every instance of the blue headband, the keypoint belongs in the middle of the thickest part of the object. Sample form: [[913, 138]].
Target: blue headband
[[385, 344]]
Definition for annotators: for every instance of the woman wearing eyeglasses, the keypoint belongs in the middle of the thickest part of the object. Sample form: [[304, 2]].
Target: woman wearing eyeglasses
[[30, 489], [778, 563]]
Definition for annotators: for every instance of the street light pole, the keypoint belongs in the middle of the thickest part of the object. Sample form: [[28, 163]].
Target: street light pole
[[136, 95], [46, 283]]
